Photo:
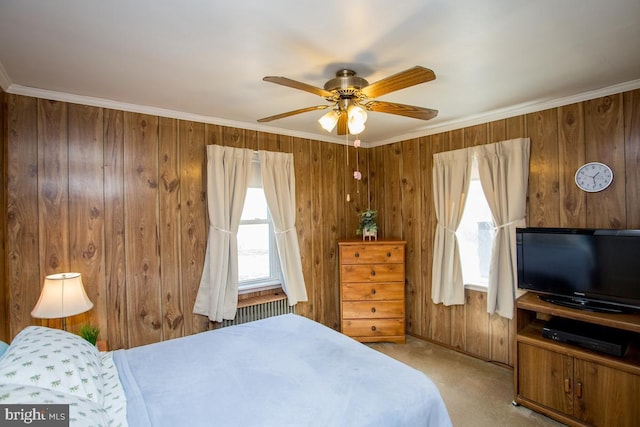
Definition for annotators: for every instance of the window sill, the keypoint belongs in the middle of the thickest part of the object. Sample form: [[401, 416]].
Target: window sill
[[473, 287], [260, 287], [276, 295]]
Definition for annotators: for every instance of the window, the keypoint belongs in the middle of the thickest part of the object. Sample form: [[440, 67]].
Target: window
[[258, 263], [475, 234]]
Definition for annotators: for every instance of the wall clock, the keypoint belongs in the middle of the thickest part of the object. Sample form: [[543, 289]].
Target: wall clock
[[593, 177]]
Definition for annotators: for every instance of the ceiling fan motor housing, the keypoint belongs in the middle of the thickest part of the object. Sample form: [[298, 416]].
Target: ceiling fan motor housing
[[346, 82], [347, 85]]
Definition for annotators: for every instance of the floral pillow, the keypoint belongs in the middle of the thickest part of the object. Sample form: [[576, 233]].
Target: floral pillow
[[82, 412], [56, 360], [115, 401]]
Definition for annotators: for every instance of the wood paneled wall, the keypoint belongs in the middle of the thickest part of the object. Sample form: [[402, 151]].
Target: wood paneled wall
[[120, 197], [605, 129]]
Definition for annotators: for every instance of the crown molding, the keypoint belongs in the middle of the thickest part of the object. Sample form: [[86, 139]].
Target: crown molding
[[499, 114], [516, 110], [142, 109]]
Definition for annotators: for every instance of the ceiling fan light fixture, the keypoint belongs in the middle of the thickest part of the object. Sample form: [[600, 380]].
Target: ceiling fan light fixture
[[346, 91], [357, 118], [329, 120]]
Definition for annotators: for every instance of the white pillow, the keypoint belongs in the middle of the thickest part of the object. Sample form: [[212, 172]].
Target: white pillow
[[55, 360], [82, 412]]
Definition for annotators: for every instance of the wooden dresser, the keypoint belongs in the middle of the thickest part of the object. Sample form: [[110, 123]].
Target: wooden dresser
[[372, 300]]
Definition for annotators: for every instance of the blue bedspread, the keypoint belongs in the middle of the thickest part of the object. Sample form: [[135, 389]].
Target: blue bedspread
[[281, 371]]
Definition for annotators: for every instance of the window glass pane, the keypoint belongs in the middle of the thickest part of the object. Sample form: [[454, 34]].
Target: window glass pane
[[253, 252], [255, 205], [258, 264], [475, 236]]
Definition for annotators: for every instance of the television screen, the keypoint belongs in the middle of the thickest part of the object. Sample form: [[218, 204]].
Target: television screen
[[586, 268]]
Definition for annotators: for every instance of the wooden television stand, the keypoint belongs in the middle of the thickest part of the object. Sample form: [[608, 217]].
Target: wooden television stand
[[571, 384]]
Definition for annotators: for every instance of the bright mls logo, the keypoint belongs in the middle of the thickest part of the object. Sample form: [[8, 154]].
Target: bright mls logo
[[34, 415]]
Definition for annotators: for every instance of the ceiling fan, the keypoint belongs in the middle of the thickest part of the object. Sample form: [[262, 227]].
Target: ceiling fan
[[351, 96]]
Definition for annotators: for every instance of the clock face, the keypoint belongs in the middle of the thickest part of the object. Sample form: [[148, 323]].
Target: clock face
[[593, 177]]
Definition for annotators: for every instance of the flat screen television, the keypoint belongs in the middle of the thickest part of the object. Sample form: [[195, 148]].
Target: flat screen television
[[590, 269]]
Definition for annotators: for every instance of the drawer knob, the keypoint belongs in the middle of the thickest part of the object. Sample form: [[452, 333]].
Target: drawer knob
[[373, 309], [373, 328], [373, 273], [357, 254], [373, 291], [388, 254]]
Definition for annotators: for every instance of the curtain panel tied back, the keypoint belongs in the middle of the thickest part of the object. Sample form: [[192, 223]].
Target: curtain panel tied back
[[278, 181], [451, 177], [228, 174], [504, 176]]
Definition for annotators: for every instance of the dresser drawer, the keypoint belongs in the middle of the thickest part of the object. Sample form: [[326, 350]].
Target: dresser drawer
[[366, 254], [372, 291], [373, 327], [372, 273], [372, 309]]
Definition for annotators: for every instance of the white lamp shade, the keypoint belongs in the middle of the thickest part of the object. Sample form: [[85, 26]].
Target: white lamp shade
[[355, 127], [62, 295], [329, 120], [357, 118]]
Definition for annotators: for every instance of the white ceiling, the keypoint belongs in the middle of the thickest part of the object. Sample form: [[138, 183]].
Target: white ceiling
[[204, 60]]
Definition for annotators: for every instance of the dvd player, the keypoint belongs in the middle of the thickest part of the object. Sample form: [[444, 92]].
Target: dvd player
[[587, 335]]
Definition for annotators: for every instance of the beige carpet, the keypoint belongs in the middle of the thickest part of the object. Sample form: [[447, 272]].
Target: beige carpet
[[476, 393]]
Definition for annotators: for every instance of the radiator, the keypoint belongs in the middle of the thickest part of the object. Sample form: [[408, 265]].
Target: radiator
[[260, 311]]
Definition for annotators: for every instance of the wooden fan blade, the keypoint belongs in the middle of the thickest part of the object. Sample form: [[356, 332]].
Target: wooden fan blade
[[342, 123], [410, 77], [298, 85], [401, 110], [294, 112]]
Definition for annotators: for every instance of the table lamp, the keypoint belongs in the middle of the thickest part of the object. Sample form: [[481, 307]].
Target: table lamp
[[62, 295]]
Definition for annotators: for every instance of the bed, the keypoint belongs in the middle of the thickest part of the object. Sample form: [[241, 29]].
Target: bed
[[281, 371]]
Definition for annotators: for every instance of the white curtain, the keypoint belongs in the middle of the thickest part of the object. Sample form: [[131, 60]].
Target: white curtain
[[451, 177], [504, 173], [228, 173], [278, 182]]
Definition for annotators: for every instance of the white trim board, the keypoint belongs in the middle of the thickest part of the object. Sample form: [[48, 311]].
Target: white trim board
[[490, 116]]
